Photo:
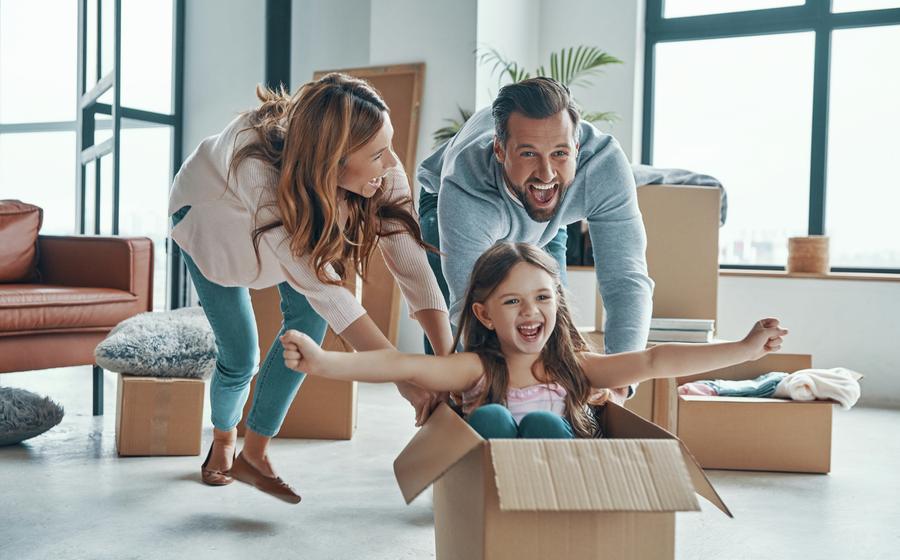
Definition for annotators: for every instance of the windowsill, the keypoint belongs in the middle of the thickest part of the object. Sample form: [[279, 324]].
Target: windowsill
[[865, 276], [742, 273]]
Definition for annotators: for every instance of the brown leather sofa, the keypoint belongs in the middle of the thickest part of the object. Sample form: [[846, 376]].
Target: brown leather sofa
[[87, 285]]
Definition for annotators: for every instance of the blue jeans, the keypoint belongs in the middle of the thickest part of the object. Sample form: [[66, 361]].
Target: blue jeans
[[237, 351], [428, 221], [495, 421]]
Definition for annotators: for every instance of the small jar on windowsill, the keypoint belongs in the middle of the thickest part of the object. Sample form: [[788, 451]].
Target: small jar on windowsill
[[808, 256]]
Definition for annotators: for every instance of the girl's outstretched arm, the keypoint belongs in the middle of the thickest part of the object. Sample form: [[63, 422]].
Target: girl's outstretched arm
[[456, 372], [676, 360]]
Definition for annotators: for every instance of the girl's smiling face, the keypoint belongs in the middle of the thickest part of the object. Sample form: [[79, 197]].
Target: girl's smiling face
[[521, 310]]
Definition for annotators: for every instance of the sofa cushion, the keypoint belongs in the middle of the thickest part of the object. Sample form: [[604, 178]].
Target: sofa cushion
[[19, 227], [30, 308]]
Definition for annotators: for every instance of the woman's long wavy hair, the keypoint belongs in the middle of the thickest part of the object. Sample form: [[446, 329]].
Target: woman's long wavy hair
[[307, 138], [559, 355]]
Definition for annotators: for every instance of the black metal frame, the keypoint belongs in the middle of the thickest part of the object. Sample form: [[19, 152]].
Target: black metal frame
[[815, 16], [278, 44], [89, 106]]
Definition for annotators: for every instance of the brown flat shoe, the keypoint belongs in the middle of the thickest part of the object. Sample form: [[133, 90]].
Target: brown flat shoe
[[245, 472], [214, 477]]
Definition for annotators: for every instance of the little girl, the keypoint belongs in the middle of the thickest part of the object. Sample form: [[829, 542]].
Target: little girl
[[525, 370]]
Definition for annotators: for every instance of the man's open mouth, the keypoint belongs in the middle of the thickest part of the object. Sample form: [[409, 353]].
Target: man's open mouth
[[543, 194]]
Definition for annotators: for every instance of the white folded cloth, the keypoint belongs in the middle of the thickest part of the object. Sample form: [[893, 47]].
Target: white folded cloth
[[839, 384]]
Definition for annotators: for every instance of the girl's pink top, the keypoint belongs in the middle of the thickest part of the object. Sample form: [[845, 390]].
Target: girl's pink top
[[520, 401]]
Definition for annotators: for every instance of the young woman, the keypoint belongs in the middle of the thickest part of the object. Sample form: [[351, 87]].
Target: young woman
[[525, 370], [296, 193]]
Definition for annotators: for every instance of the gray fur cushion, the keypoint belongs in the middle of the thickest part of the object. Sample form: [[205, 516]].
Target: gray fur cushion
[[177, 343], [24, 414]]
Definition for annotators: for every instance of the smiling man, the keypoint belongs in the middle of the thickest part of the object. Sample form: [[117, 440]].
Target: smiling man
[[522, 171]]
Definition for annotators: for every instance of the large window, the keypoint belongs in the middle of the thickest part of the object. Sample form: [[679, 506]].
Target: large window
[[792, 106], [37, 108], [89, 119]]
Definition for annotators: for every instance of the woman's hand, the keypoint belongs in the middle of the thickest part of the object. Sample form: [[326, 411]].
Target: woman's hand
[[423, 401], [765, 336], [301, 353]]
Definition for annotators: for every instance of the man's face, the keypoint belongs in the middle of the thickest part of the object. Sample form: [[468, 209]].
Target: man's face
[[538, 161]]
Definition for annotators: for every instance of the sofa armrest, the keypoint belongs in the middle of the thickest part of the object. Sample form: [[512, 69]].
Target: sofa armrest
[[122, 263]]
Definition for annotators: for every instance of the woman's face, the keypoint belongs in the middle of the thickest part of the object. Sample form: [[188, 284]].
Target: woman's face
[[364, 169]]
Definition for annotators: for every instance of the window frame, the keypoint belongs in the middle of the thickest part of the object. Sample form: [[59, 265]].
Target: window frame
[[815, 16], [89, 105]]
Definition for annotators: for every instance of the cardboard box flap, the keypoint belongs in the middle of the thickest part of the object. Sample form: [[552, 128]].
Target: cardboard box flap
[[438, 445], [617, 422], [592, 475]]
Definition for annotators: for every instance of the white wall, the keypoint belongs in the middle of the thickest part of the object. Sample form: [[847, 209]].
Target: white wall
[[442, 35], [612, 26], [224, 60], [328, 36], [512, 27]]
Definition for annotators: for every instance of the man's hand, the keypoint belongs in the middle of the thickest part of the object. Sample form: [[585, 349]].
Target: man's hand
[[423, 401]]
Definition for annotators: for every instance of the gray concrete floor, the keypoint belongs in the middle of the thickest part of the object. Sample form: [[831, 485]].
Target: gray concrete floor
[[67, 495]]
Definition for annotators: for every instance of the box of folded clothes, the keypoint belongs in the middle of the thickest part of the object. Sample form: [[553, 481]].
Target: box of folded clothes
[[611, 497], [159, 415], [773, 414]]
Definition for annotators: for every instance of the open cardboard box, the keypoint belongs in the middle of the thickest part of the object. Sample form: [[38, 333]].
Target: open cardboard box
[[537, 499], [756, 434]]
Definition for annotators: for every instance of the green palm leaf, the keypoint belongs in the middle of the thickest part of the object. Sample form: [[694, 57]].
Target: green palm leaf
[[607, 117], [445, 133], [500, 66], [576, 65]]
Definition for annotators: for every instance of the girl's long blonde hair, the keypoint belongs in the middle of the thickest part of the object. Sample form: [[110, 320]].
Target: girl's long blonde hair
[[559, 355], [307, 138]]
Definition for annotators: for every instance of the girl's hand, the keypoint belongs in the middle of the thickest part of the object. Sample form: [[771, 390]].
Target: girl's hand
[[765, 336], [301, 353]]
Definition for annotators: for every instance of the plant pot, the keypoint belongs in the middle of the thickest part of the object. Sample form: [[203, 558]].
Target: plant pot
[[808, 255]]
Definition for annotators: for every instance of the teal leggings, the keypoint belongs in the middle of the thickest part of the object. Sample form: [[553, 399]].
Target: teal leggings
[[495, 421], [237, 354]]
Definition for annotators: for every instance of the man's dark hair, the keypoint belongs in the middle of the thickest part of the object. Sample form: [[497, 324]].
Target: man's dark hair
[[536, 98]]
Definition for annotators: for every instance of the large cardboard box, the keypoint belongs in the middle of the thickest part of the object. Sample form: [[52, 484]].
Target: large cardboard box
[[323, 408], [757, 434], [682, 225], [159, 416], [537, 499]]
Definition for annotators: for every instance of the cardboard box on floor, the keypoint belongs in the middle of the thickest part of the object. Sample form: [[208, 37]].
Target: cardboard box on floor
[[159, 416], [756, 434], [537, 499], [323, 408], [741, 433], [682, 225]]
